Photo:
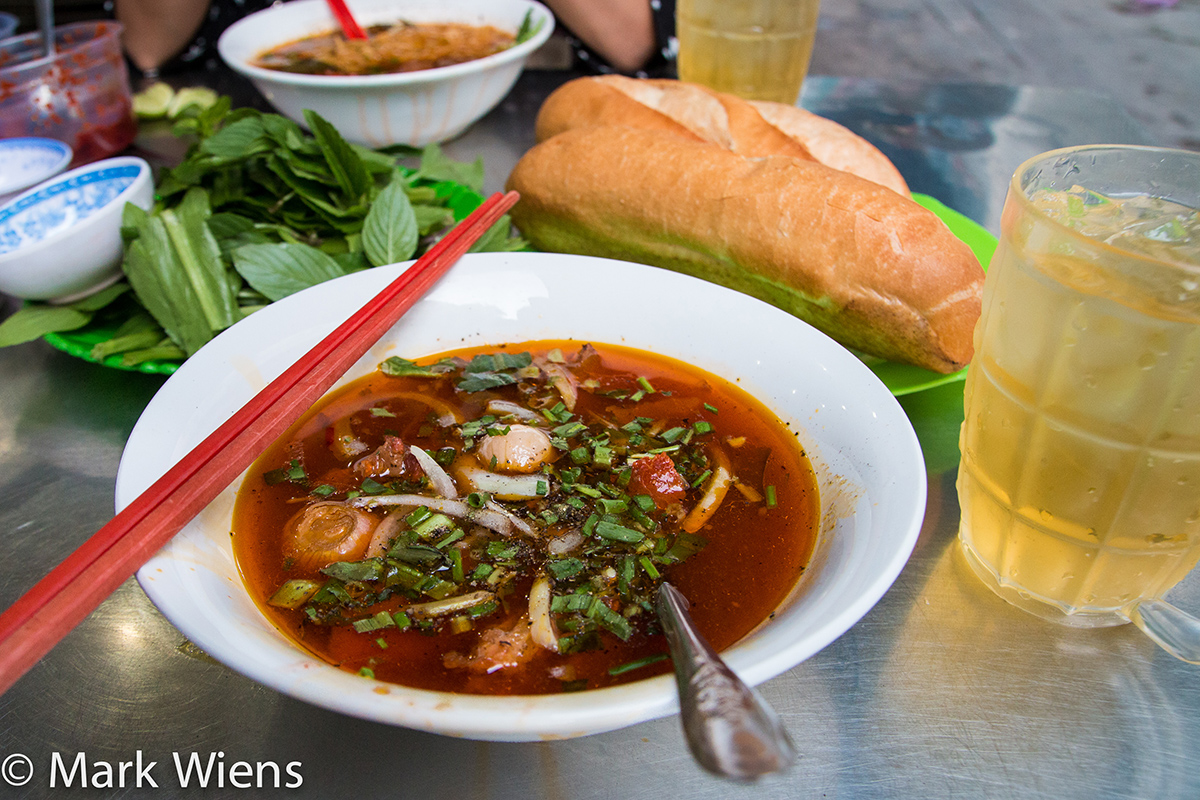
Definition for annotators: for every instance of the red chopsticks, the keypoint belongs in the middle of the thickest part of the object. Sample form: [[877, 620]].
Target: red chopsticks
[[73, 589], [350, 27]]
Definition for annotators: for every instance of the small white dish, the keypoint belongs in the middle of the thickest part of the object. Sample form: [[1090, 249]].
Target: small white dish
[[61, 240], [412, 108], [870, 470], [26, 161]]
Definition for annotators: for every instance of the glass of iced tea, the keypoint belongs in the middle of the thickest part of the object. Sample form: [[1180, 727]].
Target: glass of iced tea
[[1080, 474], [756, 49]]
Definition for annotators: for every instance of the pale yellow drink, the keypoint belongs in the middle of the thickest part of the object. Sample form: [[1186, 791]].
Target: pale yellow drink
[[1080, 476], [756, 49]]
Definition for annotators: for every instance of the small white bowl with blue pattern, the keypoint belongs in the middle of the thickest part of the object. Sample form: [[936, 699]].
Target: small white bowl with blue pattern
[[26, 161], [61, 240]]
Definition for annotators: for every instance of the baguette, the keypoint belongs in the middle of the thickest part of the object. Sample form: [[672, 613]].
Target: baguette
[[872, 269], [748, 128]]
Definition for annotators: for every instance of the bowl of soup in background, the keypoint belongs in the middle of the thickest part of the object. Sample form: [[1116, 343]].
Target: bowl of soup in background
[[869, 468], [413, 108]]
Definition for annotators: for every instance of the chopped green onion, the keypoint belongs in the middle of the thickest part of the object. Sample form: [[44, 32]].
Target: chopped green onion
[[649, 567], [502, 550], [366, 672], [618, 533], [703, 477], [702, 427], [372, 486], [456, 566], [645, 384], [672, 435], [712, 409], [379, 411], [632, 665], [603, 456], [419, 513], [294, 593], [454, 536], [374, 623], [770, 497], [570, 429], [324, 490], [564, 568]]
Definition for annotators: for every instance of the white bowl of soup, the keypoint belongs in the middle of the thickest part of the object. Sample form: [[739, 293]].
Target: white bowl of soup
[[425, 73], [497, 588]]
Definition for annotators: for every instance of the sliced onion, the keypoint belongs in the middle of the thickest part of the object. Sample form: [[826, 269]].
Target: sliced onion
[[502, 522], [505, 487], [385, 531], [345, 444], [449, 605], [442, 483], [518, 523], [564, 383], [447, 414], [505, 408], [714, 493], [541, 625], [565, 543]]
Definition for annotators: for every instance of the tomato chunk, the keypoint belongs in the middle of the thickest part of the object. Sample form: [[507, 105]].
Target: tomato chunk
[[656, 476]]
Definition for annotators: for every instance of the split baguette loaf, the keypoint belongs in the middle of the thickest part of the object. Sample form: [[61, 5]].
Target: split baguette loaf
[[869, 267], [749, 128]]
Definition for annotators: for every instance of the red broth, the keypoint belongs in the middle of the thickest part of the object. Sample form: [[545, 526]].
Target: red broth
[[403, 47], [617, 512]]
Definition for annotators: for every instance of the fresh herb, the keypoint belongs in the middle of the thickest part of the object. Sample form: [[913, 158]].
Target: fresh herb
[[257, 210]]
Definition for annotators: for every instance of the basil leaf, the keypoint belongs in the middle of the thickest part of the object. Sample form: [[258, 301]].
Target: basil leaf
[[496, 239], [436, 166], [237, 141], [278, 270], [432, 218], [485, 380], [390, 232], [198, 253], [495, 362], [347, 167], [161, 283], [34, 322], [397, 367]]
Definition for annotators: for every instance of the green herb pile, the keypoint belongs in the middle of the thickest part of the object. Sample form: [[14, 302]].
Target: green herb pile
[[259, 209]]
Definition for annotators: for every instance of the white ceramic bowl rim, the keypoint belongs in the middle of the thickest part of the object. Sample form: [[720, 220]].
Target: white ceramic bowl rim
[[19, 179], [119, 167], [871, 472], [518, 51]]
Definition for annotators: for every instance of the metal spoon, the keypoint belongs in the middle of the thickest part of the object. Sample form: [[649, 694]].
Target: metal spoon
[[730, 729], [45, 21]]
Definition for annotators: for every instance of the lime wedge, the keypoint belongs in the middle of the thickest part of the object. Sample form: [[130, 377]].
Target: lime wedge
[[198, 96], [153, 101]]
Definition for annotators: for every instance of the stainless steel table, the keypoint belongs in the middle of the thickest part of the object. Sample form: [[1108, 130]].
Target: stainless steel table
[[940, 691]]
